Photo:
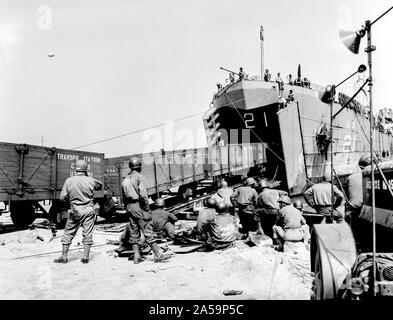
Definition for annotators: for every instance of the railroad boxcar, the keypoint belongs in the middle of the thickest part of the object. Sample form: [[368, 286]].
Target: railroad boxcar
[[30, 174], [179, 169]]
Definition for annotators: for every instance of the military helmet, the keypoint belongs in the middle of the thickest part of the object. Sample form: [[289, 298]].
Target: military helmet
[[211, 203], [365, 160], [285, 199], [264, 184], [81, 165], [298, 204], [221, 207], [224, 184], [135, 163], [250, 182], [160, 202]]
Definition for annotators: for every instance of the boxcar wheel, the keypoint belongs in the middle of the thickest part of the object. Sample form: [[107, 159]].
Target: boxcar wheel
[[56, 215], [22, 213]]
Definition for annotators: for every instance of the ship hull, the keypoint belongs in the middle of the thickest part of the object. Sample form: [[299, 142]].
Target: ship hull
[[297, 151]]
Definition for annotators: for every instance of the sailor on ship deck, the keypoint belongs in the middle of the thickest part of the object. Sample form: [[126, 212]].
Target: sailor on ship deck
[[290, 80], [279, 82], [291, 96], [306, 83], [231, 78], [298, 82], [242, 75], [267, 76]]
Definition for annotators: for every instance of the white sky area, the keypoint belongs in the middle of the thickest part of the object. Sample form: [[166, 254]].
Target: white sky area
[[121, 66]]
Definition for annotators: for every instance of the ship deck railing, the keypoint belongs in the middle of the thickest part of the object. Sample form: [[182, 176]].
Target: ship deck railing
[[312, 86]]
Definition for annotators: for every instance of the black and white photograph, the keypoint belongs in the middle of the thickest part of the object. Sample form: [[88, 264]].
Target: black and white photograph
[[218, 151]]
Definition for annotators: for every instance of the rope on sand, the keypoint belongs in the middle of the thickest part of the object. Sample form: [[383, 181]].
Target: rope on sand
[[53, 252], [276, 263]]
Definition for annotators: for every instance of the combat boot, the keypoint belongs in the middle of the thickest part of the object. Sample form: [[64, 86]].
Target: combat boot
[[121, 248], [159, 256], [64, 256], [137, 255], [278, 244], [86, 253]]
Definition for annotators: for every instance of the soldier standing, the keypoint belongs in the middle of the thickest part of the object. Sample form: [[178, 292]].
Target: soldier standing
[[290, 80], [306, 83], [231, 78], [242, 75], [78, 190], [298, 82], [137, 206], [319, 196], [267, 76], [279, 82], [355, 186]]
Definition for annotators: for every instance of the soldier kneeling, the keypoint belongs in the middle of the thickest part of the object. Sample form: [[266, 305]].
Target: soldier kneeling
[[290, 225]]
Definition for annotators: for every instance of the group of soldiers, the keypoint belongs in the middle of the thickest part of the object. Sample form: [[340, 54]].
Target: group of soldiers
[[293, 82], [231, 78], [268, 211], [78, 191], [259, 208], [344, 204]]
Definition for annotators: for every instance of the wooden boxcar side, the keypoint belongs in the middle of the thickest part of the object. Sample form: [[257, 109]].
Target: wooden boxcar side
[[164, 170], [235, 159], [29, 172]]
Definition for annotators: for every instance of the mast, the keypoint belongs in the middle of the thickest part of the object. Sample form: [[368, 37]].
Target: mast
[[262, 50], [331, 155], [369, 49]]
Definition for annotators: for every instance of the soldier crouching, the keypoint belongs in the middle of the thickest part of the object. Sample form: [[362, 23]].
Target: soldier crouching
[[78, 190]]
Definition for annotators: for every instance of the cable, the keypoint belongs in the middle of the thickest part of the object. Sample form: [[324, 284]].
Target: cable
[[264, 143], [133, 132]]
